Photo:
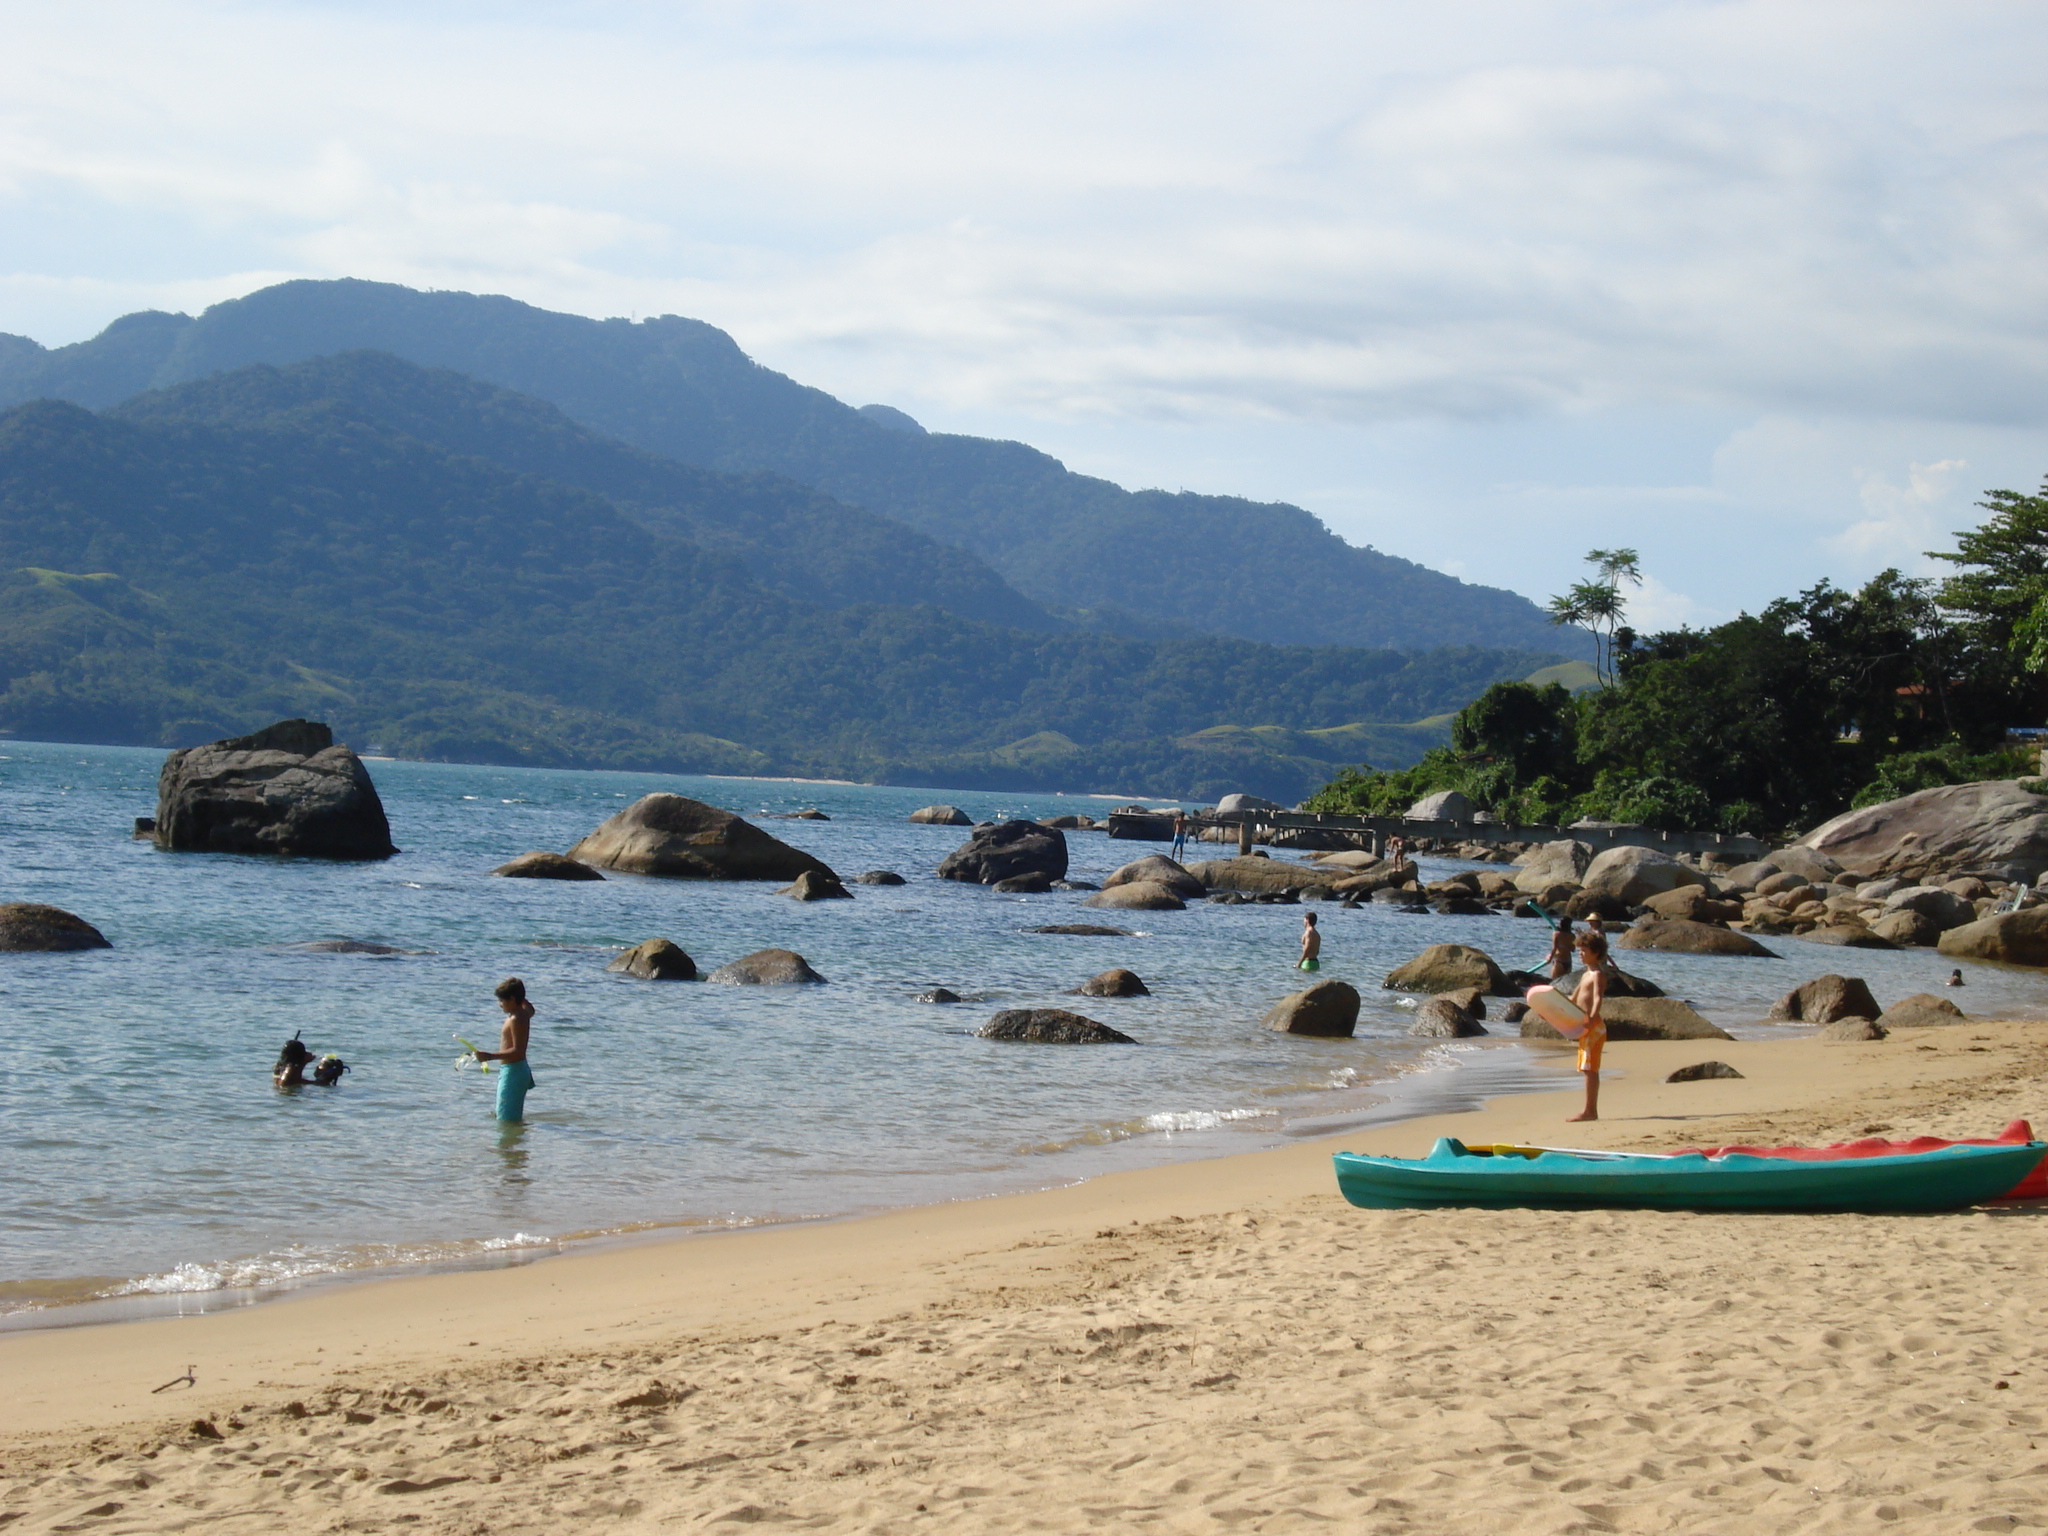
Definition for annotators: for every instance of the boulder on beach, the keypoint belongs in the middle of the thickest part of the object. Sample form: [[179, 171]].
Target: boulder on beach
[[2016, 938], [1679, 937], [1640, 1018], [1257, 875], [816, 885], [1034, 882], [1853, 1029], [1003, 850], [1118, 983], [29, 927], [1694, 904], [1633, 875], [1444, 805], [288, 789], [541, 865], [768, 968], [655, 960], [1328, 1010], [1441, 1018], [1448, 967], [1158, 869], [683, 839], [1560, 863], [1701, 1071], [942, 816], [1992, 827], [1923, 1010], [1824, 1000], [1137, 896], [879, 877], [1050, 1026]]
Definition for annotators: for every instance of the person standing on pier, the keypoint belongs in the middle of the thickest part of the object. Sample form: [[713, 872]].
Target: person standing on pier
[[1180, 835]]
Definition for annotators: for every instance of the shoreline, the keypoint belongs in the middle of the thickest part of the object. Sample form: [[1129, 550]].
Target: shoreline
[[86, 1374], [1440, 1079]]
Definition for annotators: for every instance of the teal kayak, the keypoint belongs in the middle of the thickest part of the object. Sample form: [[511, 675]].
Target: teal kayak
[[1454, 1174]]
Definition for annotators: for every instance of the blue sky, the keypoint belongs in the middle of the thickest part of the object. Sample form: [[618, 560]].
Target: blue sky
[[1758, 289]]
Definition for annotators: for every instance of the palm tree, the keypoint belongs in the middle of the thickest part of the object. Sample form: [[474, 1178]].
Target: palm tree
[[1597, 603]]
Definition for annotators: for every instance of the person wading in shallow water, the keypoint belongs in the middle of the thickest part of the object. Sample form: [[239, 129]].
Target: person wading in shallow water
[[1311, 943], [1561, 944], [517, 1079]]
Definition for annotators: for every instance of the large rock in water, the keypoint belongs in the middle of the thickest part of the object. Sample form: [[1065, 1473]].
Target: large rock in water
[[813, 885], [1117, 983], [1159, 869], [287, 789], [1003, 850], [542, 865], [942, 816], [1449, 967], [1329, 1010], [1137, 896], [1560, 863], [1050, 1026], [768, 968], [1258, 875], [1683, 938], [1633, 875], [684, 839], [656, 960], [1441, 1018], [30, 927], [2017, 938], [1824, 1000], [1994, 828]]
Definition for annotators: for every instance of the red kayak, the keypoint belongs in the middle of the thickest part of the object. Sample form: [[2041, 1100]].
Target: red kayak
[[2033, 1187]]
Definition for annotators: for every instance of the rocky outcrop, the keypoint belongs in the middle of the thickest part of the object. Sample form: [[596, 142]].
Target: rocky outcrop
[[655, 960], [1560, 863], [29, 927], [942, 816], [683, 839], [1159, 870], [1824, 1000], [1260, 875], [879, 877], [1050, 1026], [1633, 875], [1448, 967], [768, 968], [541, 865], [1993, 827], [2016, 938], [1444, 805], [1923, 1010], [287, 790], [1941, 906], [1694, 904], [1640, 1018], [1442, 1019], [1683, 938], [1003, 850], [1329, 1010], [1230, 804], [1117, 983], [816, 885], [1907, 928], [1701, 1071], [1136, 896]]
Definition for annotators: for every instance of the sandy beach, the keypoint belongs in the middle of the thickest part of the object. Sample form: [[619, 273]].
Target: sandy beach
[[1221, 1345]]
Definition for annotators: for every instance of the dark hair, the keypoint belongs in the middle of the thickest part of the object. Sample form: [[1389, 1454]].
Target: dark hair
[[1309, 918], [296, 1053], [511, 990]]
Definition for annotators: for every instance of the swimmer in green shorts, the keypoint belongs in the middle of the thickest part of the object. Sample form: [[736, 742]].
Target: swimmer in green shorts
[[517, 1078], [1311, 943]]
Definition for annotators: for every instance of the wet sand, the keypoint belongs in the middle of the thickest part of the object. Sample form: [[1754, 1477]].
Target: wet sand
[[1220, 1345]]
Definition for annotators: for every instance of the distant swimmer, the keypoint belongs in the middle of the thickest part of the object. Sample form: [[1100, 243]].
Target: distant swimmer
[[1311, 943], [1955, 978], [517, 1079]]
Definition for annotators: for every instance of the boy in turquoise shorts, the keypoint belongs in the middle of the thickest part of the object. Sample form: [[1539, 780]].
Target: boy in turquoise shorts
[[517, 1079]]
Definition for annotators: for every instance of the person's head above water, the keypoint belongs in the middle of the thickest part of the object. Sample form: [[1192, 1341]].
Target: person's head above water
[[296, 1053]]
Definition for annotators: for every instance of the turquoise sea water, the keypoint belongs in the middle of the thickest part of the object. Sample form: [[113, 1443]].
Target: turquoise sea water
[[146, 1151]]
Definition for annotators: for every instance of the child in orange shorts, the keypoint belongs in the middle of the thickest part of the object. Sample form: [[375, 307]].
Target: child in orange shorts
[[1589, 994]]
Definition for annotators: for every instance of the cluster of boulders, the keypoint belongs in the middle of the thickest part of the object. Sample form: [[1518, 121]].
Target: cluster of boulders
[[665, 960], [1846, 1008]]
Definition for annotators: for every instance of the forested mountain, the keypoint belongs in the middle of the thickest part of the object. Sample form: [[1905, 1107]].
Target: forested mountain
[[279, 543], [1143, 561]]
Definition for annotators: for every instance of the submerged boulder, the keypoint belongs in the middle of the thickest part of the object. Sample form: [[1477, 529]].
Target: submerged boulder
[[1085, 931], [768, 968], [880, 877], [1157, 869], [1032, 883], [30, 927], [1050, 1026], [655, 960], [541, 865], [1004, 850], [683, 839], [1329, 1009], [1117, 983], [1137, 896], [816, 885], [287, 789]]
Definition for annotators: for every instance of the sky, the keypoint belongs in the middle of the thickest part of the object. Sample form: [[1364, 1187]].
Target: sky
[[1757, 289]]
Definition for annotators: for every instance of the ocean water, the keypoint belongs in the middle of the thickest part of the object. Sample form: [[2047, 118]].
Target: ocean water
[[147, 1153]]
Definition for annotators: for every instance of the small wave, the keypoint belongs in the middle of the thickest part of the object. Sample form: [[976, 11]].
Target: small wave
[[286, 1266], [1199, 1119]]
